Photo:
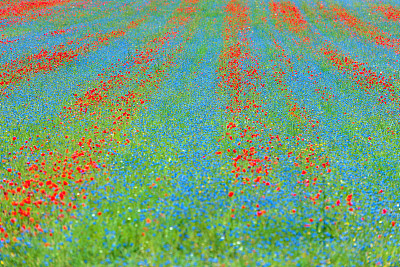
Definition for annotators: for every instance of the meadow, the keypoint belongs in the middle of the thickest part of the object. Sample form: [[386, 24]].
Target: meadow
[[199, 133]]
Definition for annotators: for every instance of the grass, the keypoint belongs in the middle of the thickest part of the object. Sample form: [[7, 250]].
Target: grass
[[169, 187]]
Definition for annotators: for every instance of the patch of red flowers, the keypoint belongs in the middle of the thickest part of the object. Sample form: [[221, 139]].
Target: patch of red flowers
[[287, 13]]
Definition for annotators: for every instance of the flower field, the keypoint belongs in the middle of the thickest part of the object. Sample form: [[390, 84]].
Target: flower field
[[199, 132]]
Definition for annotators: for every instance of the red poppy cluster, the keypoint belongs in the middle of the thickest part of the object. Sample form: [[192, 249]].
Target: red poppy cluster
[[390, 12], [359, 27], [287, 13], [364, 77]]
